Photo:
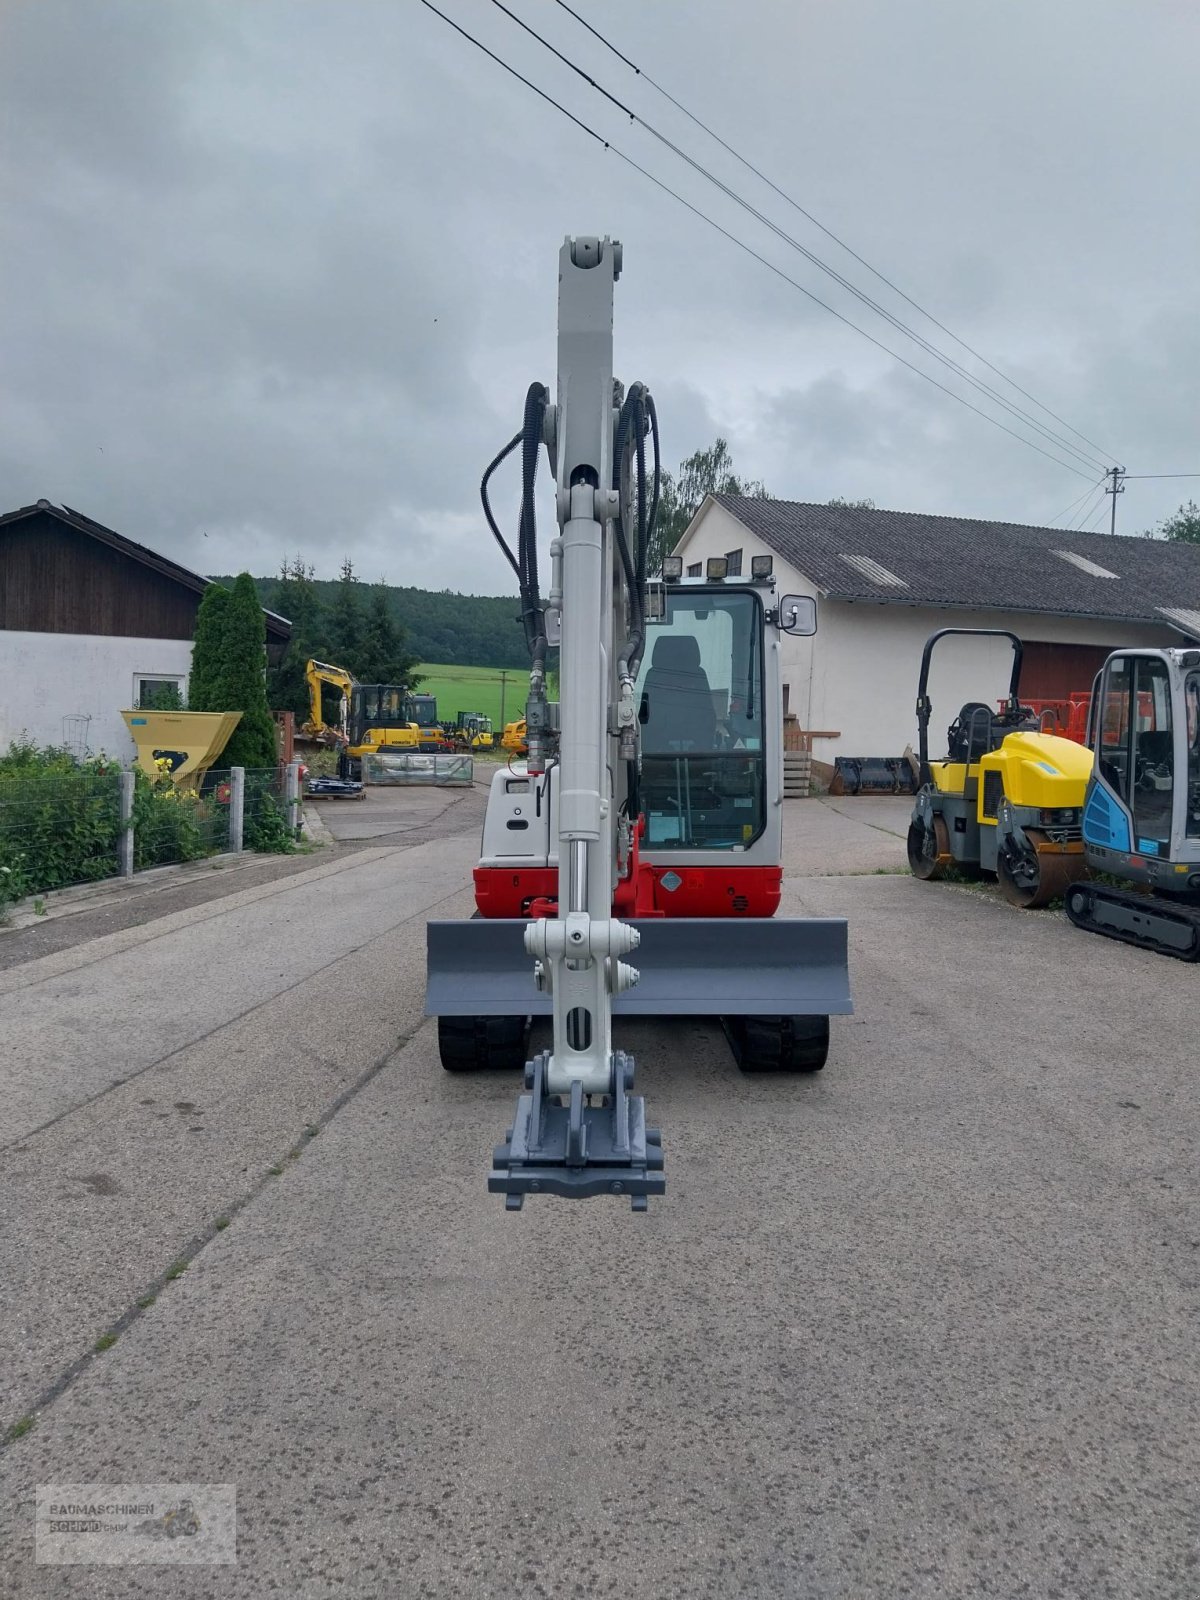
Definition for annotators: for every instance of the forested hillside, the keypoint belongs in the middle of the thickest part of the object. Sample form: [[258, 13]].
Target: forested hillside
[[381, 634], [474, 630]]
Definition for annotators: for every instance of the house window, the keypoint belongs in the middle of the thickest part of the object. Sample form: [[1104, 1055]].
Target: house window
[[734, 567], [696, 568], [158, 691]]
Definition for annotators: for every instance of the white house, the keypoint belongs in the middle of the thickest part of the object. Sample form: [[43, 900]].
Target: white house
[[91, 624], [885, 580]]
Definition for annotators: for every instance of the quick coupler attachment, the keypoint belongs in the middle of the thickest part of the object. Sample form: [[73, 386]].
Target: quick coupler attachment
[[579, 1150]]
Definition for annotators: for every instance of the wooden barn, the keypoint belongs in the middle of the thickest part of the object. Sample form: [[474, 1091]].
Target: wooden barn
[[91, 624]]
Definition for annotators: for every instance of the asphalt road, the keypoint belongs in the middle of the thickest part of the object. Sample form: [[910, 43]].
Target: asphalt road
[[924, 1324]]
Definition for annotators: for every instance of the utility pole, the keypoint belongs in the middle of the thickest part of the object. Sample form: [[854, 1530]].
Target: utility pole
[[503, 685], [1118, 487]]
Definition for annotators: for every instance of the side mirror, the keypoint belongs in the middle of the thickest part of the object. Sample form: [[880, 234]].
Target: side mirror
[[798, 615]]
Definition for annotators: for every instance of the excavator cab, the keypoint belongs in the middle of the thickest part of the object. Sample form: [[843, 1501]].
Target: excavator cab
[[1141, 820], [700, 710]]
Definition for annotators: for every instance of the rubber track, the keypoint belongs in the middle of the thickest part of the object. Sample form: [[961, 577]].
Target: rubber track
[[1149, 912]]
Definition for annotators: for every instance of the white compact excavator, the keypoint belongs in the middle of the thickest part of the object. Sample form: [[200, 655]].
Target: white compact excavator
[[646, 820]]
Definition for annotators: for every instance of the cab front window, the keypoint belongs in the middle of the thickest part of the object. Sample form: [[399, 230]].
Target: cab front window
[[700, 706]]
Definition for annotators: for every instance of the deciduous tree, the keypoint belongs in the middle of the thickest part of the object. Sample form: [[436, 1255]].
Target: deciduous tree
[[1183, 526], [680, 497]]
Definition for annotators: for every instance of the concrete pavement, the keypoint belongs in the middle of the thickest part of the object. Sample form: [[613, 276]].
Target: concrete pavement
[[922, 1325]]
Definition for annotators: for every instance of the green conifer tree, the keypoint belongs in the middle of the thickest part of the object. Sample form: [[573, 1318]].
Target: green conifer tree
[[208, 648], [346, 622], [384, 657], [243, 682], [295, 597]]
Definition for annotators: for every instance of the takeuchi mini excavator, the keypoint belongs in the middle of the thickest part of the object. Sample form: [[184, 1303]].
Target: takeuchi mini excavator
[[1007, 798], [646, 819], [1141, 820]]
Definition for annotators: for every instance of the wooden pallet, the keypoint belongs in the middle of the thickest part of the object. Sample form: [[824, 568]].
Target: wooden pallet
[[797, 774]]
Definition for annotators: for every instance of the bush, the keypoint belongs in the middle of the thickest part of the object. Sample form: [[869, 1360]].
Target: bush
[[60, 821], [167, 823], [265, 826]]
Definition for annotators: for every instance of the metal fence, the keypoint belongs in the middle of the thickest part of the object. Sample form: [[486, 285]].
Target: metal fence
[[410, 766], [58, 828], [267, 820], [173, 825]]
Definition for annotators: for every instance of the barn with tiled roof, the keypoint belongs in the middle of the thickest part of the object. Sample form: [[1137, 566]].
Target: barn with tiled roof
[[885, 580]]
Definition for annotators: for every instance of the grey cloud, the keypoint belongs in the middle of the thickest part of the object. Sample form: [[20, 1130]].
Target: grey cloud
[[276, 276]]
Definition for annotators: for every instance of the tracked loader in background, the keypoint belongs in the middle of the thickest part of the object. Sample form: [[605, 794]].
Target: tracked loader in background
[[647, 815], [1141, 819], [1007, 798]]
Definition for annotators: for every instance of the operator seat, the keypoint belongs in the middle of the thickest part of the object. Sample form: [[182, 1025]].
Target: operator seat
[[676, 711]]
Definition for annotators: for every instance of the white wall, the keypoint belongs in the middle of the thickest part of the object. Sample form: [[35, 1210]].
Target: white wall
[[858, 677], [45, 677], [867, 657]]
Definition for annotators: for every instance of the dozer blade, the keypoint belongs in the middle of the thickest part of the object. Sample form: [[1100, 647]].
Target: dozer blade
[[782, 966]]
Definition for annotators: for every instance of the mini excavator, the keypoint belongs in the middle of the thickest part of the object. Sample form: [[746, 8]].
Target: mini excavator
[[1141, 819], [646, 816]]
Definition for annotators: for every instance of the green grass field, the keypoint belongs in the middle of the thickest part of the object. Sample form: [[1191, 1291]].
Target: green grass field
[[474, 689]]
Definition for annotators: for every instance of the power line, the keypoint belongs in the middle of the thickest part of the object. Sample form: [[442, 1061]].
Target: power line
[[1090, 508], [1049, 434], [1095, 500], [828, 232], [878, 343], [1097, 518], [749, 250], [591, 132], [1078, 501], [1162, 474]]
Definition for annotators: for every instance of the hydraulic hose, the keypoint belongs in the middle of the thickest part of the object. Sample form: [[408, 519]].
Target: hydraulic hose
[[632, 415], [487, 509], [532, 610]]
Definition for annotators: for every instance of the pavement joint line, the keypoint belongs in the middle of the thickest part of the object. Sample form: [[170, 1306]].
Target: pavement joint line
[[70, 902], [130, 938], [184, 1258], [862, 821], [21, 977], [421, 914]]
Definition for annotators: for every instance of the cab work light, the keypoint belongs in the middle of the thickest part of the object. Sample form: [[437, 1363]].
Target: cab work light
[[761, 566], [715, 568], [672, 568]]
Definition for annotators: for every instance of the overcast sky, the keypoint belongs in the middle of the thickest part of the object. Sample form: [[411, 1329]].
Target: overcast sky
[[274, 276]]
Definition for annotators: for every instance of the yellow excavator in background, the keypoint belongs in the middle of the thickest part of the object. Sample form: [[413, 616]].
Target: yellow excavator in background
[[473, 731], [371, 717], [513, 738]]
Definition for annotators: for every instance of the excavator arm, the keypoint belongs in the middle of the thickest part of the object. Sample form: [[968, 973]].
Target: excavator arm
[[578, 1129], [317, 674]]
